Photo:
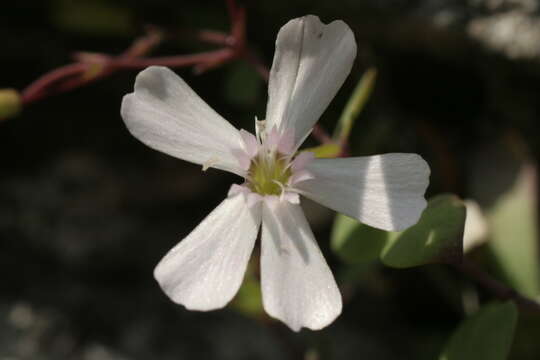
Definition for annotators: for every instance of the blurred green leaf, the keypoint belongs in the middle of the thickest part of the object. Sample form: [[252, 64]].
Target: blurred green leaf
[[436, 238], [355, 105], [248, 300], [507, 193], [513, 225], [356, 243], [487, 335], [93, 17], [325, 151], [242, 85]]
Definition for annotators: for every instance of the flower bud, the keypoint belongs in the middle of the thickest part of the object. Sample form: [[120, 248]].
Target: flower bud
[[10, 103]]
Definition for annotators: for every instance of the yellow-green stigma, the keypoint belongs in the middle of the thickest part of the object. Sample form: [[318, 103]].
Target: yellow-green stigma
[[267, 175]]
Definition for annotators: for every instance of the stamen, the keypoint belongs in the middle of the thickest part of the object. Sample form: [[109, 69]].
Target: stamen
[[260, 129], [280, 186]]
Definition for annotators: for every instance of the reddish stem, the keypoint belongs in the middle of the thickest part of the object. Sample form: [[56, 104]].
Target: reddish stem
[[172, 61], [215, 37], [34, 90], [321, 135], [94, 66]]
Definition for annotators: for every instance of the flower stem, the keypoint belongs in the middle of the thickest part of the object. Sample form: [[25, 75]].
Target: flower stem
[[497, 288]]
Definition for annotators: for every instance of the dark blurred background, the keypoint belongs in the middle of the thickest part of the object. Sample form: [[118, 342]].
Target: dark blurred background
[[86, 211]]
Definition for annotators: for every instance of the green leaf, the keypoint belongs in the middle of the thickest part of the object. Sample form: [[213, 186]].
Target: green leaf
[[355, 105], [436, 238], [513, 222], [508, 195], [356, 243], [325, 151], [248, 300], [487, 335]]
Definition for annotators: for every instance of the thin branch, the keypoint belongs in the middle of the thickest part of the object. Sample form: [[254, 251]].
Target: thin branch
[[500, 290], [33, 91], [90, 67], [171, 61]]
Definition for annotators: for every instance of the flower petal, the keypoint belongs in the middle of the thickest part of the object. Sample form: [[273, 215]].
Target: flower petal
[[166, 114], [297, 286], [383, 191], [311, 62], [205, 270]]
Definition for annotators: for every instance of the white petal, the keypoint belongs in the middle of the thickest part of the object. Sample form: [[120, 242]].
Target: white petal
[[297, 286], [299, 176], [251, 145], [383, 191], [311, 62], [205, 270], [301, 160], [166, 114]]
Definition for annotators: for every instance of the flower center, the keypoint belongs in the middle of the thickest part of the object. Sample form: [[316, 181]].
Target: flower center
[[268, 174]]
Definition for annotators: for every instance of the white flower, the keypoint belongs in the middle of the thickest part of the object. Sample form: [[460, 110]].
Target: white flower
[[205, 270]]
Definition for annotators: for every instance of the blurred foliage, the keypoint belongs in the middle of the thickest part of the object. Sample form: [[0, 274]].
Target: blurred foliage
[[514, 227], [510, 203], [486, 335], [356, 243], [248, 300], [436, 238]]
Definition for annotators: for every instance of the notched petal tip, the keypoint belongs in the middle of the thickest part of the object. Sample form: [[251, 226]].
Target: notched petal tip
[[151, 72], [297, 285], [311, 62], [417, 199], [126, 106], [164, 113], [383, 191]]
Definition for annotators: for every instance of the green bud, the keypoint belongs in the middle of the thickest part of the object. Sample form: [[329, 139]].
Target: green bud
[[10, 103]]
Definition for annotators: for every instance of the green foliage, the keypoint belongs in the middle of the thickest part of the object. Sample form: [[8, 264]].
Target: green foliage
[[487, 335], [436, 238], [356, 243], [248, 300], [513, 225], [508, 195]]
